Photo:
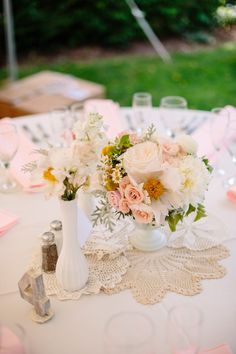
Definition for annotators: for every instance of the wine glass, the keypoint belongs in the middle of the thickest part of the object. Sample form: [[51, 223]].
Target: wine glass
[[129, 333], [61, 124], [184, 329], [142, 110], [76, 111], [9, 142], [173, 114], [219, 125], [13, 339]]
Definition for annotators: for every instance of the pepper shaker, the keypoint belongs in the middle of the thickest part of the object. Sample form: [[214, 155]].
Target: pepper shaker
[[56, 227], [49, 252]]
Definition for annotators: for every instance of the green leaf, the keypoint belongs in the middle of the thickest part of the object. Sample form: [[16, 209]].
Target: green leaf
[[201, 212], [206, 162], [173, 218], [124, 141], [190, 210]]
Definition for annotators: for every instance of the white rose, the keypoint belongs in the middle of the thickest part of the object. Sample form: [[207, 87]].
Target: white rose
[[187, 143], [142, 161]]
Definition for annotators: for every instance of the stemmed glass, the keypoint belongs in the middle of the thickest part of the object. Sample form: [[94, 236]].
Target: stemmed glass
[[9, 142], [223, 135], [129, 333], [184, 329], [142, 110], [172, 112], [61, 124], [13, 339]]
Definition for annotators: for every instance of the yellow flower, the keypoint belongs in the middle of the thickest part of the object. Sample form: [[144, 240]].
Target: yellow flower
[[110, 185], [106, 149], [154, 187], [47, 174]]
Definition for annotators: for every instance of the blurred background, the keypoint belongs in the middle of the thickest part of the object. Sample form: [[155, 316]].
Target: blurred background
[[101, 41]]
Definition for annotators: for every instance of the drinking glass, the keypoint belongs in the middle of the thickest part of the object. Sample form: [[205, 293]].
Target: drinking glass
[[76, 111], [219, 126], [173, 114], [9, 142], [13, 339], [129, 333], [61, 124], [142, 110], [184, 329]]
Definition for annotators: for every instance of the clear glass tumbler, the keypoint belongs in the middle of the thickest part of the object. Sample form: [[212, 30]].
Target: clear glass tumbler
[[184, 329], [129, 333], [9, 142], [173, 115], [142, 110]]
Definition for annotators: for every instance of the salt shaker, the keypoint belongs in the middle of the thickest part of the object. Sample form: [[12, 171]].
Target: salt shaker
[[49, 252], [56, 227]]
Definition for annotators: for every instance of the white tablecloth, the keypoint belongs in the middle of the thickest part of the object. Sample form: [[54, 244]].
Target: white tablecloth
[[77, 327]]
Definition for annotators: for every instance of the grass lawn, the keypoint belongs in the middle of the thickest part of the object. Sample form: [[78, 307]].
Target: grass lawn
[[205, 78]]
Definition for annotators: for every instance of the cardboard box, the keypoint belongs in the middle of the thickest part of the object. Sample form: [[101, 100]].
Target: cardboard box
[[44, 92]]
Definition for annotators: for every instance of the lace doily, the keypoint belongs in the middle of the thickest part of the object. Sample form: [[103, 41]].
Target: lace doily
[[152, 274], [115, 266], [103, 273], [198, 235]]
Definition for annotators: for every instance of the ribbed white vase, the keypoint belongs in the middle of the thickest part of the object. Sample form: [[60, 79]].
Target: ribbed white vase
[[72, 269], [147, 238]]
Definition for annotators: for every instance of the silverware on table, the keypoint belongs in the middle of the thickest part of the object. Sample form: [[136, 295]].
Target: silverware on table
[[30, 134], [129, 121], [44, 134]]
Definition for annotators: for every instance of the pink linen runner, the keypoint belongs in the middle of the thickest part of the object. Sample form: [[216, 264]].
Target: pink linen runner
[[110, 112]]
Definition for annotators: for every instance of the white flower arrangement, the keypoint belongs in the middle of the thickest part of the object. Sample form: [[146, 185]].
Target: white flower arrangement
[[151, 179], [64, 170]]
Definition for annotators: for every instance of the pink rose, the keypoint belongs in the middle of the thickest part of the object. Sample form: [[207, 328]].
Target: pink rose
[[142, 213], [170, 148], [133, 194], [169, 151], [124, 206], [124, 183], [114, 199]]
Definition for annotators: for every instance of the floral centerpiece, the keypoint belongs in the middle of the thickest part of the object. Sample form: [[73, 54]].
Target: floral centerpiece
[[151, 179], [65, 170]]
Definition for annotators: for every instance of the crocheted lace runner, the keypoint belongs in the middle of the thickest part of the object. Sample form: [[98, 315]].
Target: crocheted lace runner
[[115, 266]]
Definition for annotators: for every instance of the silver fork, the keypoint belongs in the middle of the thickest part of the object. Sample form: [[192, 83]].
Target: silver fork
[[45, 135], [30, 134], [129, 121]]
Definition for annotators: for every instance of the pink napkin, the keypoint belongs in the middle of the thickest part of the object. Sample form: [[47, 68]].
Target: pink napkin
[[203, 135], [231, 194], [221, 349], [110, 112], [9, 342], [7, 221]]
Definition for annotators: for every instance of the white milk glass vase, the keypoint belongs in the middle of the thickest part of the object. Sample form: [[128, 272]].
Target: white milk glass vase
[[72, 269], [146, 237]]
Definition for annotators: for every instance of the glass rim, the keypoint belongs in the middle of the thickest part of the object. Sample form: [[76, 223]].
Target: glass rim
[[141, 315], [142, 94], [220, 109], [192, 307], [179, 99]]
